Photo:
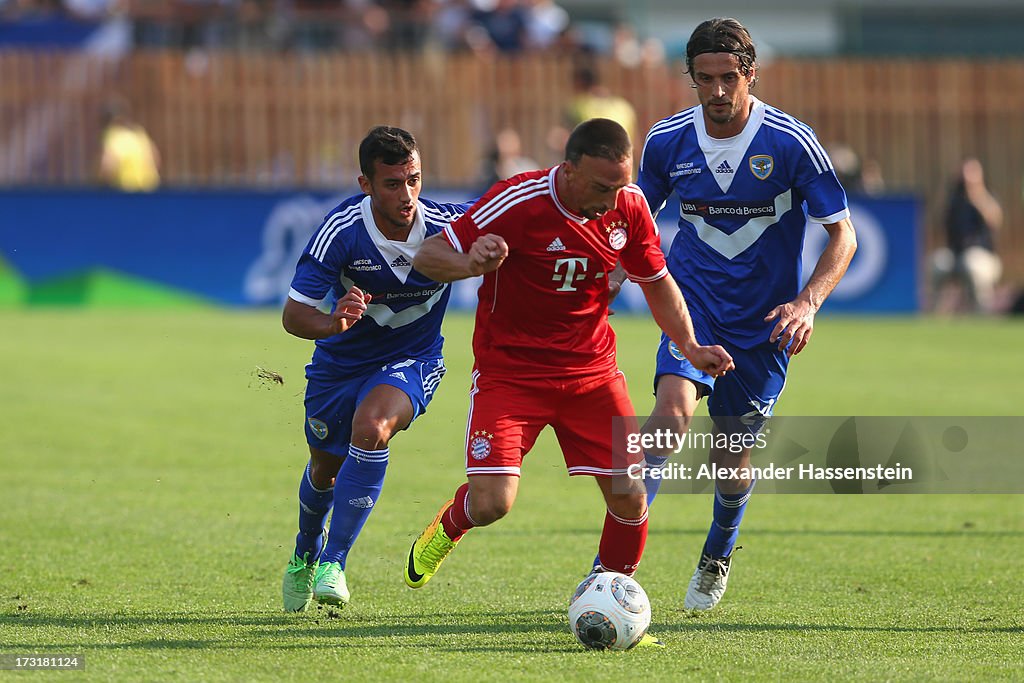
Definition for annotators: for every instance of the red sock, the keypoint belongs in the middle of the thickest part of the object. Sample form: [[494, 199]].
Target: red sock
[[622, 543], [456, 519]]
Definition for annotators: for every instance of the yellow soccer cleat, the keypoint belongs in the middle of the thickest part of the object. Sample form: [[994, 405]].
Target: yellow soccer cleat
[[649, 641], [429, 551]]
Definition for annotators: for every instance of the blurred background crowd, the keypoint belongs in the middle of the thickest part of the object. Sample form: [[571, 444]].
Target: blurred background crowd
[[908, 98], [476, 26]]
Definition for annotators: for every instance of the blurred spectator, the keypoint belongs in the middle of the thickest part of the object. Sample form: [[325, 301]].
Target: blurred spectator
[[855, 177], [161, 24], [483, 26], [871, 177], [129, 161], [969, 260], [592, 100], [363, 25], [91, 10], [545, 22], [631, 52], [506, 158], [569, 42], [498, 25], [449, 22], [43, 24], [312, 25], [409, 23], [13, 10]]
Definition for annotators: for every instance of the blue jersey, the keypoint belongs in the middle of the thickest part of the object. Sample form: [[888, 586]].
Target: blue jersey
[[403, 319], [741, 206]]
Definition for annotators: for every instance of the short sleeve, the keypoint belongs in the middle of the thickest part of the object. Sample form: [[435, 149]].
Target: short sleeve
[[653, 180], [816, 181], [320, 265], [642, 256], [494, 213]]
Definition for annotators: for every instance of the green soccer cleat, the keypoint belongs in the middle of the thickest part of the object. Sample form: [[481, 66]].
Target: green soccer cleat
[[429, 551], [297, 589], [330, 587], [650, 641]]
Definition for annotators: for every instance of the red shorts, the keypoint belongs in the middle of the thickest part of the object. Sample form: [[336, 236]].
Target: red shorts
[[505, 418]]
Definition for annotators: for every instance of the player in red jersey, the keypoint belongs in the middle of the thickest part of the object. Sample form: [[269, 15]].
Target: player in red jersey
[[545, 242]]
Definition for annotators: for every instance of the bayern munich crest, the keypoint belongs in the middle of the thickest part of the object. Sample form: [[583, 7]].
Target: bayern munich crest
[[617, 234], [480, 446]]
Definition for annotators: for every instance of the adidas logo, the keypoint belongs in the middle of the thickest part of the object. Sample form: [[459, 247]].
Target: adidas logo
[[400, 262], [362, 503], [724, 167], [398, 375], [556, 245]]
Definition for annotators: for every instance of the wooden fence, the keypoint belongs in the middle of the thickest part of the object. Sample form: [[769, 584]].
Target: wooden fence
[[273, 120]]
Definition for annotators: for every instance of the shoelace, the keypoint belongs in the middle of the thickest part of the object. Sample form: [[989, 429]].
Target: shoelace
[[330, 577], [434, 553], [709, 573], [295, 567]]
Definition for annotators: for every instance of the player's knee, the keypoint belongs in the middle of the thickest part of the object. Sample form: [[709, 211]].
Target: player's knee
[[680, 409], [323, 469], [488, 509], [676, 401], [677, 419], [628, 506], [371, 432]]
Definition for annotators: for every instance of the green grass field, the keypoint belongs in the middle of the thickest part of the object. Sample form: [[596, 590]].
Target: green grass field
[[149, 482]]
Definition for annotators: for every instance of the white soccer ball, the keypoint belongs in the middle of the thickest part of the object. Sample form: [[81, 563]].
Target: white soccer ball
[[609, 611]]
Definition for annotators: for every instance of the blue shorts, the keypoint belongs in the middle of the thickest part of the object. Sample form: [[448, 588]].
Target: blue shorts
[[749, 392], [331, 405]]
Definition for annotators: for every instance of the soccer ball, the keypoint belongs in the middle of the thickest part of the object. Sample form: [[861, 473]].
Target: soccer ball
[[609, 611]]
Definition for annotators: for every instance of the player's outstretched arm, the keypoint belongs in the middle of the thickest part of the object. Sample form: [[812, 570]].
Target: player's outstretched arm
[[306, 322], [796, 318], [669, 310], [439, 261]]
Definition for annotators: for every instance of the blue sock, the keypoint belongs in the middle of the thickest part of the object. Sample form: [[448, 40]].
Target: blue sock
[[356, 491], [651, 484], [728, 512], [314, 504]]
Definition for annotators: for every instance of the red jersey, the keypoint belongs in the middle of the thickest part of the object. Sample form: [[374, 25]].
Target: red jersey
[[544, 312]]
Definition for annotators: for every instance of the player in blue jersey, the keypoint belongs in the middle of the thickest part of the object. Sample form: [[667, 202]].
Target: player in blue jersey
[[743, 173], [378, 353]]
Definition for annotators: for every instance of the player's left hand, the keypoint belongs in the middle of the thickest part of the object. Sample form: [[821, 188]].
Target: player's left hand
[[796, 324], [349, 309]]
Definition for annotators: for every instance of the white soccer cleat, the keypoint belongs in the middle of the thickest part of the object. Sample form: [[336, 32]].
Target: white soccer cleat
[[708, 583]]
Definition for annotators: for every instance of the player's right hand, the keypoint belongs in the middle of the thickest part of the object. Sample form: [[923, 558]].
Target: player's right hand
[[713, 360], [350, 308], [487, 253]]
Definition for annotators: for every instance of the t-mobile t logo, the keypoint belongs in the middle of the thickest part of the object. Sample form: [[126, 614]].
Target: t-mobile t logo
[[569, 276]]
